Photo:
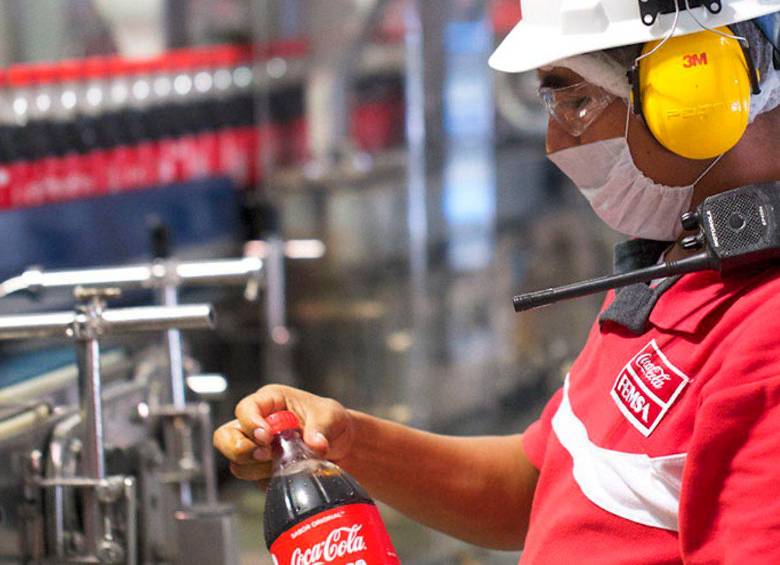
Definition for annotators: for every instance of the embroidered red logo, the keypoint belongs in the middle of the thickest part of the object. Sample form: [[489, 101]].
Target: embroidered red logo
[[647, 387]]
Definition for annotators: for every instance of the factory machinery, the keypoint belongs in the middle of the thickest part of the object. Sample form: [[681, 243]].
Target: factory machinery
[[125, 474], [109, 460], [85, 481]]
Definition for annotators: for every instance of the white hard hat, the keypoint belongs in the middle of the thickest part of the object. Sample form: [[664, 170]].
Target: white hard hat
[[551, 30]]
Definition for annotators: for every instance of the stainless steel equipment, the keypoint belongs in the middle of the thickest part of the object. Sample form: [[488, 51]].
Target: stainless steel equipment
[[149, 275], [327, 88], [167, 475], [208, 531], [178, 489], [100, 523]]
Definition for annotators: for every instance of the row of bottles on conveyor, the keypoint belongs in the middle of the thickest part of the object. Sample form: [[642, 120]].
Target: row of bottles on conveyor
[[99, 125], [106, 124]]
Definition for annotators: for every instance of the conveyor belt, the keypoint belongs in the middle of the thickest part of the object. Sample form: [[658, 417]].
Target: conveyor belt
[[28, 377], [24, 366]]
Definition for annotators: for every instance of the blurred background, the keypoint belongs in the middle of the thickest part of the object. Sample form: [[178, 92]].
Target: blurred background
[[393, 186]]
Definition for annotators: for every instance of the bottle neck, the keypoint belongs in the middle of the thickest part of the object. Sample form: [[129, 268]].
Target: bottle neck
[[288, 447]]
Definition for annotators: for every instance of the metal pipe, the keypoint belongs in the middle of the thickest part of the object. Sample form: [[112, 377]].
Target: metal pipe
[[275, 299], [93, 462], [230, 271], [169, 296], [131, 530], [219, 272], [92, 455], [60, 464], [262, 13], [30, 326], [209, 474], [417, 212], [416, 207], [158, 318], [334, 56], [122, 320], [36, 280], [278, 355]]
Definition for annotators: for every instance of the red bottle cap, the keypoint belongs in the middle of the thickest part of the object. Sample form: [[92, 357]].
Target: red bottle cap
[[180, 60], [21, 76], [284, 420], [69, 70], [95, 68], [44, 74], [117, 66], [141, 66]]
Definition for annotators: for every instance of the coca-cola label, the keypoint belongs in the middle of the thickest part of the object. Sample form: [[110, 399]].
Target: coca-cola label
[[347, 535], [646, 388]]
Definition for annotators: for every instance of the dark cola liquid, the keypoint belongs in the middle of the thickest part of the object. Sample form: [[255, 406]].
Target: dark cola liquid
[[316, 487]]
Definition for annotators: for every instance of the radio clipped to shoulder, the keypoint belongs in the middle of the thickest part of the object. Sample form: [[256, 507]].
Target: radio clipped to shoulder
[[737, 229]]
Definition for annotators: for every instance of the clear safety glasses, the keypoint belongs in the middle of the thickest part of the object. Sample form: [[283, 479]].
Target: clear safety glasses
[[577, 106]]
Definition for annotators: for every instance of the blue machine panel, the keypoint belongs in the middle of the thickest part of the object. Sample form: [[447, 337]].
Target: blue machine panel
[[112, 229]]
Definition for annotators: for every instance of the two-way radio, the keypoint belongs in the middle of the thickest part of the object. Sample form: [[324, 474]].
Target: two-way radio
[[736, 229]]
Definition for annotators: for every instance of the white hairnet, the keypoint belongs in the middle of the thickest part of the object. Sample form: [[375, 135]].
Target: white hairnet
[[607, 69], [761, 51]]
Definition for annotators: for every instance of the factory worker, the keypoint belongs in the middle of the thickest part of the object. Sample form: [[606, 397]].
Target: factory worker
[[663, 443]]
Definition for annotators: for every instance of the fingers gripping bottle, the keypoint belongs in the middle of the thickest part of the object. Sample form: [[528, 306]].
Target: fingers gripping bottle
[[315, 513]]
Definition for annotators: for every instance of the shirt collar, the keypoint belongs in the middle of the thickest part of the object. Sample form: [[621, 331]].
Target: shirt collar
[[695, 295], [632, 305], [637, 254]]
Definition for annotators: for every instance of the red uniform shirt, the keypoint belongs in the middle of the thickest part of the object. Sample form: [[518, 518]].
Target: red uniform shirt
[[664, 445]]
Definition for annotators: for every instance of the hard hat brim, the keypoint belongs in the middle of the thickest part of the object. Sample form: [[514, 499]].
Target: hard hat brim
[[529, 46]]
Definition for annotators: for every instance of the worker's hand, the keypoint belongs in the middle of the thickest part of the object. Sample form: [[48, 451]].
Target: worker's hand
[[246, 441]]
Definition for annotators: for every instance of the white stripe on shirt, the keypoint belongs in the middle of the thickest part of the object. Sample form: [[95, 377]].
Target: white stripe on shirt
[[633, 486]]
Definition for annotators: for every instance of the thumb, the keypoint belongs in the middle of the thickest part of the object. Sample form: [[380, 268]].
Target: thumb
[[316, 440], [325, 427]]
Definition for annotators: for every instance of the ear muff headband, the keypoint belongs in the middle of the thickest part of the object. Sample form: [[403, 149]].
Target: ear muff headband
[[752, 71], [694, 92]]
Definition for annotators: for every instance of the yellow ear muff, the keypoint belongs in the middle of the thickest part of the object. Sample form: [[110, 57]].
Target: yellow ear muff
[[695, 93]]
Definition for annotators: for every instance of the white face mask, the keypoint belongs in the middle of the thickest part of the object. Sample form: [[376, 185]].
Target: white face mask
[[620, 194]]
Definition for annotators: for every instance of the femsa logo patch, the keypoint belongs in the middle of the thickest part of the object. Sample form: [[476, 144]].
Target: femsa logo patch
[[647, 387]]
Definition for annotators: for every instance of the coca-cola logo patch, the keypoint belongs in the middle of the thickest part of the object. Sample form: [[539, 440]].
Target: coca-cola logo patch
[[347, 535], [647, 387]]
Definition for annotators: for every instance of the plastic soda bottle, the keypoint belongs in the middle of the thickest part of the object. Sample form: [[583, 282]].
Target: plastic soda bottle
[[316, 513]]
